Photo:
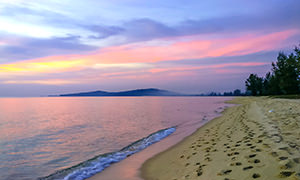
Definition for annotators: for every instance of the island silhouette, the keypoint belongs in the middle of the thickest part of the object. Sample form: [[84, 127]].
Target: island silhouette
[[136, 92]]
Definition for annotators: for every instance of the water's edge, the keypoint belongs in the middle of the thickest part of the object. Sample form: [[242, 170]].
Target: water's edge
[[218, 113], [139, 159], [97, 164]]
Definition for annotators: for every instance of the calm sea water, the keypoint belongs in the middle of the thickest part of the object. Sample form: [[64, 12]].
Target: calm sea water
[[39, 136]]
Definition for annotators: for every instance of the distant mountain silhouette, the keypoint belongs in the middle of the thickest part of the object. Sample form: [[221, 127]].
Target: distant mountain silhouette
[[136, 92]]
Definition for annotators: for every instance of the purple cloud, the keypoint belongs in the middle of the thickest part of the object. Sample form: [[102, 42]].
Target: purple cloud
[[104, 31], [29, 48], [276, 19]]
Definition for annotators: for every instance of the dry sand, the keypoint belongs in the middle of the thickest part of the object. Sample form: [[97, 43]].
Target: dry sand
[[260, 139]]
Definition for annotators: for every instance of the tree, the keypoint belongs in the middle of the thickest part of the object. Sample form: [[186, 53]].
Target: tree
[[227, 94], [254, 84], [297, 69], [270, 85], [286, 72], [284, 77], [237, 92]]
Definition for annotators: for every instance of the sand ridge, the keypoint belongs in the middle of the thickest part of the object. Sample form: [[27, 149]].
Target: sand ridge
[[259, 139]]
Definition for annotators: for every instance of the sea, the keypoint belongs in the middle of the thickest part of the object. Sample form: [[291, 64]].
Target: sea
[[74, 138]]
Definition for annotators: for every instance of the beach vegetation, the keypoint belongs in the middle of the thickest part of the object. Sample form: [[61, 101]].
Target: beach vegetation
[[237, 92], [254, 84], [283, 79]]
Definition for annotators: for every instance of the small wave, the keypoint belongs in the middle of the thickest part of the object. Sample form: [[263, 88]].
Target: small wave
[[99, 163]]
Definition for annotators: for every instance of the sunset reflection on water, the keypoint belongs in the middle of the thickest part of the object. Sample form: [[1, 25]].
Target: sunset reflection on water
[[39, 136]]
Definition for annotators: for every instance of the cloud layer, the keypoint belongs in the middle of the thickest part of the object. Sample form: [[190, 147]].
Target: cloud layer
[[134, 44]]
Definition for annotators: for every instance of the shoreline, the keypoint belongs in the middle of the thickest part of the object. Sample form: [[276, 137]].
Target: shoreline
[[259, 139], [130, 168]]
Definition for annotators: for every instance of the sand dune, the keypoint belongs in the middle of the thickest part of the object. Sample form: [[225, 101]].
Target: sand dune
[[259, 139]]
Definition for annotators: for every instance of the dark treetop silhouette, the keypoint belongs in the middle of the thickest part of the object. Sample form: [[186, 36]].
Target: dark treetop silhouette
[[284, 77]]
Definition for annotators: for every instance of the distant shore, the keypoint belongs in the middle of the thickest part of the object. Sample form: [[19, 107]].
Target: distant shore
[[260, 139]]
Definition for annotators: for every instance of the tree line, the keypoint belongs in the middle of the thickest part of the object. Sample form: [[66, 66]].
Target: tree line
[[236, 92], [283, 79]]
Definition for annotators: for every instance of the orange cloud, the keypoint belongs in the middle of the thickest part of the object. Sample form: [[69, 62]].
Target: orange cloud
[[40, 67], [139, 55], [45, 82]]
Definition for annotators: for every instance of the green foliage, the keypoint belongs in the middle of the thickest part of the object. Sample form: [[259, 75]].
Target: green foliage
[[237, 92], [286, 72], [284, 78], [254, 84]]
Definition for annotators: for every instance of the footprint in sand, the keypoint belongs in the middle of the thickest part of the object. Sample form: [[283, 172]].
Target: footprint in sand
[[282, 158], [199, 172], [274, 154], [261, 136], [286, 149], [229, 154], [254, 161], [284, 174], [225, 172], [207, 149], [247, 142], [255, 175], [208, 159], [266, 145], [247, 168], [287, 164], [251, 156], [236, 164], [292, 145], [259, 141], [296, 160]]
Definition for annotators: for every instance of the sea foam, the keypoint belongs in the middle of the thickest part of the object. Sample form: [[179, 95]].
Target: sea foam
[[97, 164]]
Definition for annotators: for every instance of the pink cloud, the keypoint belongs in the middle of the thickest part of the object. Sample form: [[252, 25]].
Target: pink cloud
[[140, 53], [215, 66], [137, 56], [145, 52]]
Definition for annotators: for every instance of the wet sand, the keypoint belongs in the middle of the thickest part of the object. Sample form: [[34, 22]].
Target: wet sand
[[129, 168], [260, 139]]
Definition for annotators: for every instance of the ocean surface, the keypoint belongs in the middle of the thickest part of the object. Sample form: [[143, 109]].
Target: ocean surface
[[73, 138]]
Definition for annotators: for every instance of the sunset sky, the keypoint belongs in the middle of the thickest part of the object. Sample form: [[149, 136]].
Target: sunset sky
[[61, 46]]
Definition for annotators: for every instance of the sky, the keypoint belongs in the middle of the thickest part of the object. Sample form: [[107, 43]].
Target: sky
[[55, 46]]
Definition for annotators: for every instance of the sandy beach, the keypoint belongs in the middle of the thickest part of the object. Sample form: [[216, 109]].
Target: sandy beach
[[259, 139]]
